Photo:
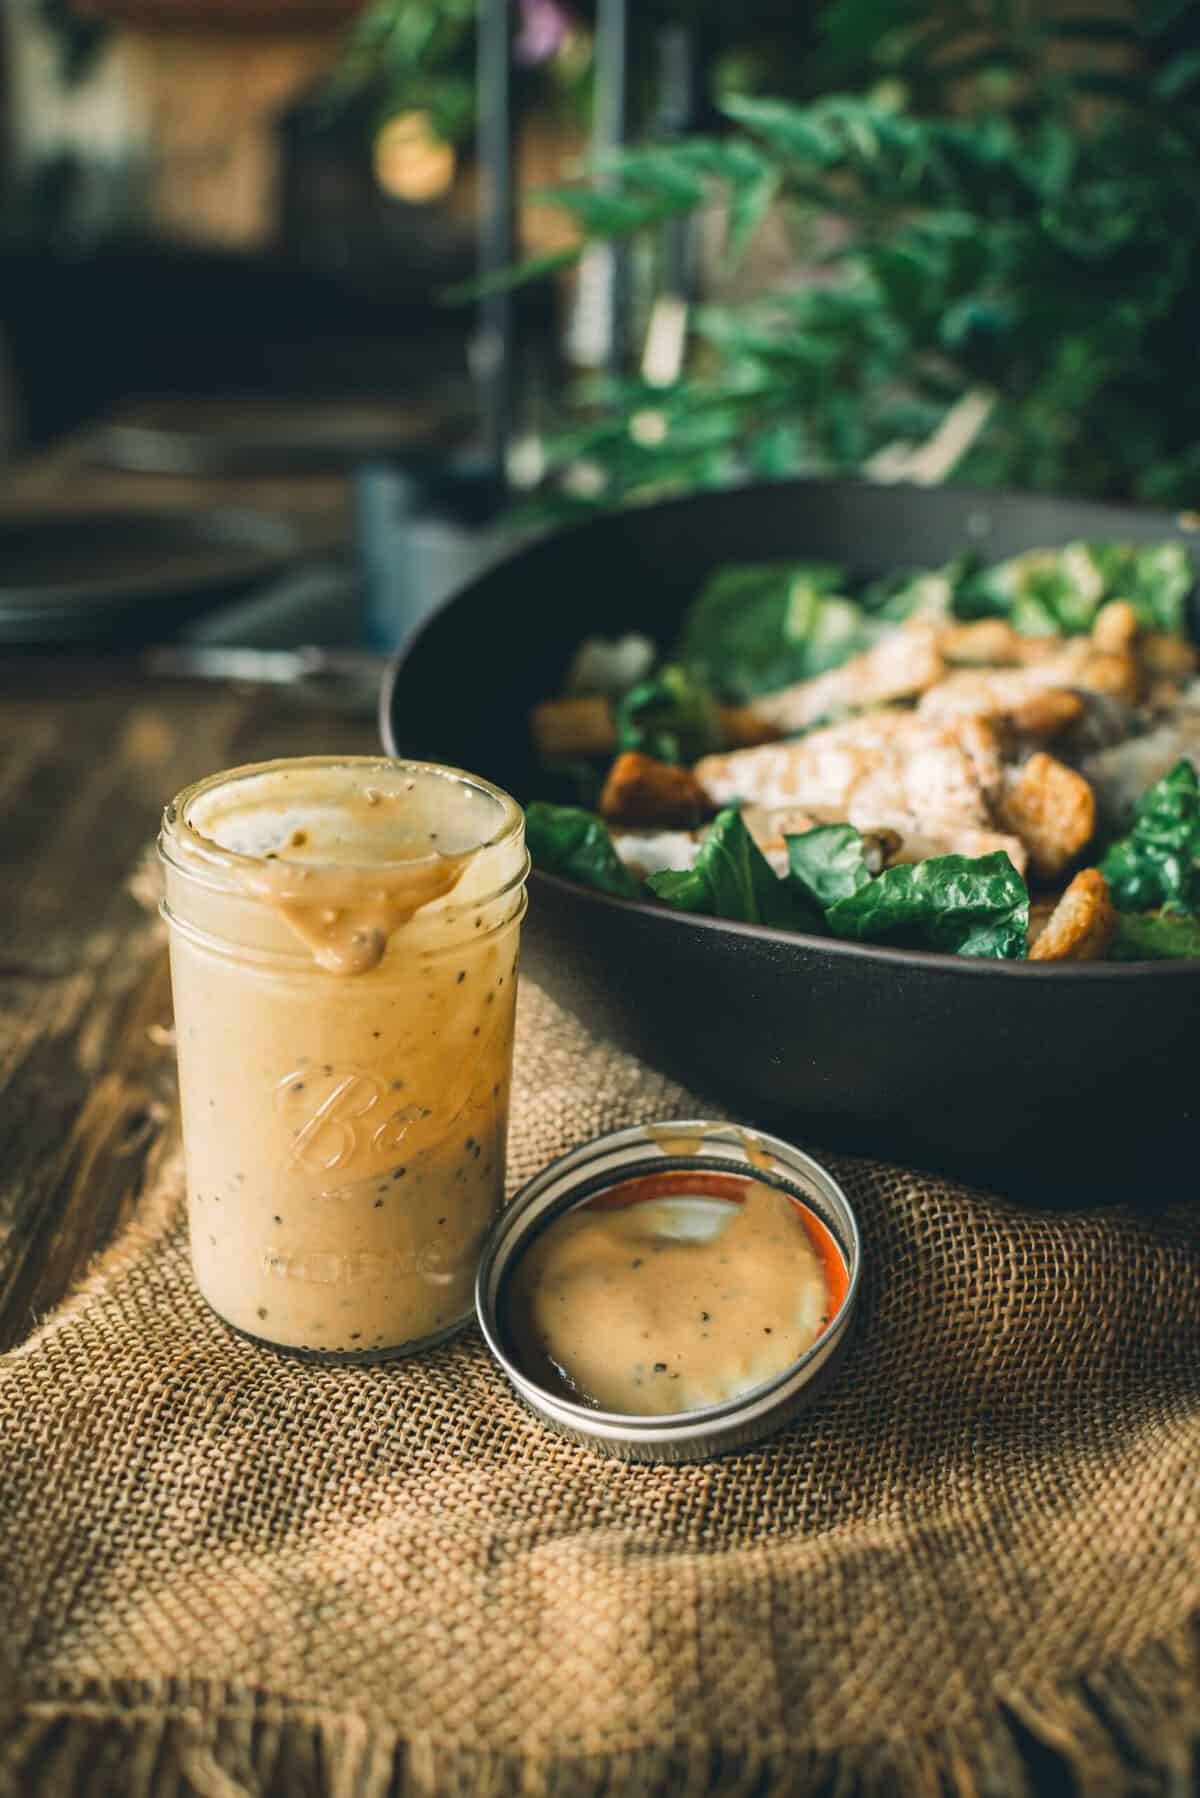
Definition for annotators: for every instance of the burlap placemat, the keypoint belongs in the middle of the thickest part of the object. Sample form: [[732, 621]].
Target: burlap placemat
[[976, 1563]]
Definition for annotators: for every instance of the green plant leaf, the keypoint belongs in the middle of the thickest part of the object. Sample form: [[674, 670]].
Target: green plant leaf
[[507, 280], [748, 208], [1179, 74], [1159, 16], [1042, 248], [1096, 30]]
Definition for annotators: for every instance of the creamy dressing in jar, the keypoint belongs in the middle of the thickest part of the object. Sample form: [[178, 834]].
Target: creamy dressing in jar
[[344, 963], [674, 1292]]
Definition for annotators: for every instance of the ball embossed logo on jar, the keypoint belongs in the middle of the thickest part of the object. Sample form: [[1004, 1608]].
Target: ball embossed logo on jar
[[344, 1116]]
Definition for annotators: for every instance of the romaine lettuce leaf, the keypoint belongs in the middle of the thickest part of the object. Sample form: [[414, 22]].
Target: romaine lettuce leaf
[[1060, 591], [828, 863], [1158, 863], [958, 904], [1044, 592], [563, 839], [1155, 936], [673, 717], [1155, 578], [917, 591], [732, 878], [757, 627]]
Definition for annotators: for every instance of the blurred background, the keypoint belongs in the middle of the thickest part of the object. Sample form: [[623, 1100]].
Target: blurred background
[[255, 392]]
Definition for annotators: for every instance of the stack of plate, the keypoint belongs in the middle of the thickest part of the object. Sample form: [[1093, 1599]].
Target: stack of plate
[[239, 434], [122, 577]]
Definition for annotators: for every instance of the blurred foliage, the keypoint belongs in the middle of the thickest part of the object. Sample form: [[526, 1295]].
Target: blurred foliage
[[1008, 207], [405, 55], [77, 40], [411, 55]]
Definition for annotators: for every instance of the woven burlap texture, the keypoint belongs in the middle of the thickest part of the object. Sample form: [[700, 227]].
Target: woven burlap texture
[[975, 1561]]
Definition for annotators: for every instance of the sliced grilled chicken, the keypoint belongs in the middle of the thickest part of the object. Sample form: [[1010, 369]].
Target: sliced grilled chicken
[[901, 665], [883, 771], [1005, 693]]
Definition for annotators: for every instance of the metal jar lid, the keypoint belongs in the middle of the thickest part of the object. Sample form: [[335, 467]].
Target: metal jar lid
[[690, 1145]]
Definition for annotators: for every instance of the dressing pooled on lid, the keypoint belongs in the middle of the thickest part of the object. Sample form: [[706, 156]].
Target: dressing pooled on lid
[[674, 1292]]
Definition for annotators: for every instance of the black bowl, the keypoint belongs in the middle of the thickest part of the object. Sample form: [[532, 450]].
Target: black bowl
[[1052, 1083]]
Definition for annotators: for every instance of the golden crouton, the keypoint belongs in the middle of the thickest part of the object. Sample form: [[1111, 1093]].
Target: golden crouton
[[1052, 809], [743, 728], [1113, 671], [641, 791], [1167, 657], [573, 727], [1115, 627], [1040, 913], [1045, 713], [1081, 926]]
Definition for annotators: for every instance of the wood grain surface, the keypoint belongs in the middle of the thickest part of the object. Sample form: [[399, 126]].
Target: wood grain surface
[[89, 753]]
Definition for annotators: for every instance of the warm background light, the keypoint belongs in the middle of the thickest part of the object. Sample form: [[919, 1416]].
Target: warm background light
[[411, 161]]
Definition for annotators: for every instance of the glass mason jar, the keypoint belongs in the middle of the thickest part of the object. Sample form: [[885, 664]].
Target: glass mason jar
[[343, 936]]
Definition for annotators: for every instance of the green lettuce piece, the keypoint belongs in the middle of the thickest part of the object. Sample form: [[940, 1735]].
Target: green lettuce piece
[[732, 878], [1155, 936], [1044, 592], [1059, 591], [828, 863], [958, 904], [915, 591], [823, 629], [1158, 863], [757, 627], [673, 717], [564, 839], [1155, 578]]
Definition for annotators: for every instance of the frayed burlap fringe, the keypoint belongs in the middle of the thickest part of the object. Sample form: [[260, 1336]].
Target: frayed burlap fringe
[[1130, 1728]]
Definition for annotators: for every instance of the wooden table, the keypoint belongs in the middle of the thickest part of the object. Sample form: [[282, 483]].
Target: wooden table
[[89, 753]]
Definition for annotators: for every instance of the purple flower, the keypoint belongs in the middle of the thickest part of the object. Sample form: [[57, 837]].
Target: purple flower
[[545, 28]]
